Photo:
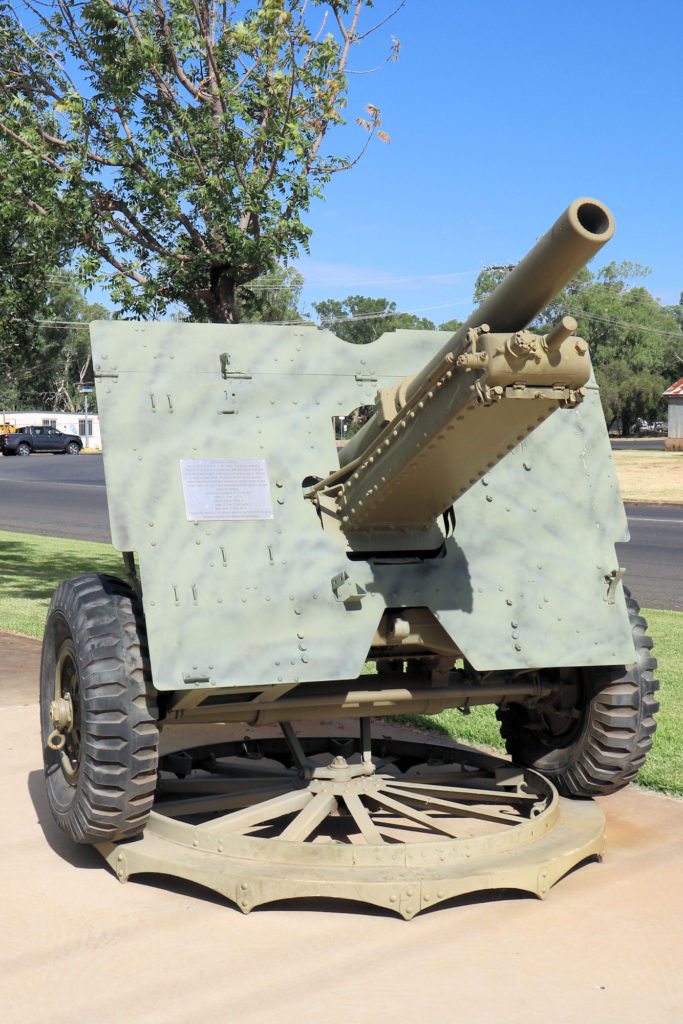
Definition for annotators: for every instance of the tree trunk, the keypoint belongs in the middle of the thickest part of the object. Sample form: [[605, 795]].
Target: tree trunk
[[219, 297]]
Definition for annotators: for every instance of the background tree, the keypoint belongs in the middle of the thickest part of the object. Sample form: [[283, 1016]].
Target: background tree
[[635, 341], [450, 325], [184, 135], [677, 312], [360, 319], [32, 251], [628, 395], [44, 358], [273, 297]]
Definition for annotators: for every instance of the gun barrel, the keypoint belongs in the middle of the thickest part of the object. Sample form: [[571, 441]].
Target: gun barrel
[[575, 237], [434, 435]]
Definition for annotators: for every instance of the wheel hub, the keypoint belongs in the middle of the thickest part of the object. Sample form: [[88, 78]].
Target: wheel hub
[[62, 713], [340, 771]]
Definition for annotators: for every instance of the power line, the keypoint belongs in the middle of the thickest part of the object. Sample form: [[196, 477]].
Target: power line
[[382, 315], [614, 322], [65, 325], [83, 325]]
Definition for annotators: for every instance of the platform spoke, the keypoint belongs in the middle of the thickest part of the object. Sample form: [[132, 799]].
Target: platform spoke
[[205, 803], [252, 769], [465, 793], [453, 807], [261, 813], [308, 819], [359, 813], [433, 824], [449, 774], [222, 784]]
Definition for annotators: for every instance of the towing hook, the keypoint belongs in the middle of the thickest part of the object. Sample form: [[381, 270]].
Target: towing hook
[[56, 740]]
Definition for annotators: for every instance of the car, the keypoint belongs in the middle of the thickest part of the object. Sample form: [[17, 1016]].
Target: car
[[39, 439]]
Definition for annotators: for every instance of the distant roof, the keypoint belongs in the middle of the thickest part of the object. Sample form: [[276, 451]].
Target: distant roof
[[675, 389]]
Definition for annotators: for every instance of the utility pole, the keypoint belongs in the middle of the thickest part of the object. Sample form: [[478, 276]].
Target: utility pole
[[85, 390]]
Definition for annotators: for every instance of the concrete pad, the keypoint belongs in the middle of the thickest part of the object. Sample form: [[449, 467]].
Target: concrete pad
[[607, 944], [19, 669]]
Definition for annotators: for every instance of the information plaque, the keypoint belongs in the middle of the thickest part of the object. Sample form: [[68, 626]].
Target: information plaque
[[224, 489]]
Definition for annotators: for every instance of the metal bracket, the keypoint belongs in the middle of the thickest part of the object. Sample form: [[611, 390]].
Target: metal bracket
[[346, 590], [612, 579], [227, 374]]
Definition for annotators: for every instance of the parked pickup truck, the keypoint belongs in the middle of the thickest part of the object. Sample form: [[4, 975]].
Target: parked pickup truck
[[39, 439]]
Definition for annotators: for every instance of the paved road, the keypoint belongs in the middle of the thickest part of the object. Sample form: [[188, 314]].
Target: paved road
[[637, 444], [55, 496], [654, 557], [62, 496]]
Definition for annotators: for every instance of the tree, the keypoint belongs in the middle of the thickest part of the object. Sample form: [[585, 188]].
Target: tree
[[40, 365], [184, 136], [634, 340], [31, 251], [44, 359], [487, 281], [621, 320], [628, 395], [360, 319], [450, 325], [27, 263], [677, 312], [272, 298]]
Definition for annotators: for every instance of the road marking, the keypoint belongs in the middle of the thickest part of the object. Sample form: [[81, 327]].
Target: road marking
[[652, 519]]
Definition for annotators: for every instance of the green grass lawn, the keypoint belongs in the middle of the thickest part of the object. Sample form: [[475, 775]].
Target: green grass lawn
[[31, 567], [663, 770]]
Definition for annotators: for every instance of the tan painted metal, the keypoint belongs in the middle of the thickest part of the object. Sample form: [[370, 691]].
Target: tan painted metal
[[452, 431], [384, 694], [433, 436], [575, 237], [402, 841]]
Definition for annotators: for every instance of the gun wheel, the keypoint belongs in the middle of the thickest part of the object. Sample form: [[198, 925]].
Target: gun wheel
[[413, 824], [592, 738], [98, 711]]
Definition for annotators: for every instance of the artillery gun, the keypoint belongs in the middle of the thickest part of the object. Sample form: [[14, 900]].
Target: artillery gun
[[461, 546]]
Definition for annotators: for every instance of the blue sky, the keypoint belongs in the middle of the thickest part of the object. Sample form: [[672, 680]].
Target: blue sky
[[500, 114]]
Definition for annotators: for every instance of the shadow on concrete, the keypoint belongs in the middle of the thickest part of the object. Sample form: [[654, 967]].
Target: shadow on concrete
[[80, 855]]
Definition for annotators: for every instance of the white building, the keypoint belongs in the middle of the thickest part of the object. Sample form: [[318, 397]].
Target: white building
[[674, 397], [67, 422]]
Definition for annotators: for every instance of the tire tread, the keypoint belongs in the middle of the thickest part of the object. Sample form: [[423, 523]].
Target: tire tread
[[618, 727], [115, 788]]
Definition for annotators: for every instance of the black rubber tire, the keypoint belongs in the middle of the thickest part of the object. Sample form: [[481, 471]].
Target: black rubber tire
[[101, 787], [73, 448], [23, 449], [612, 734]]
